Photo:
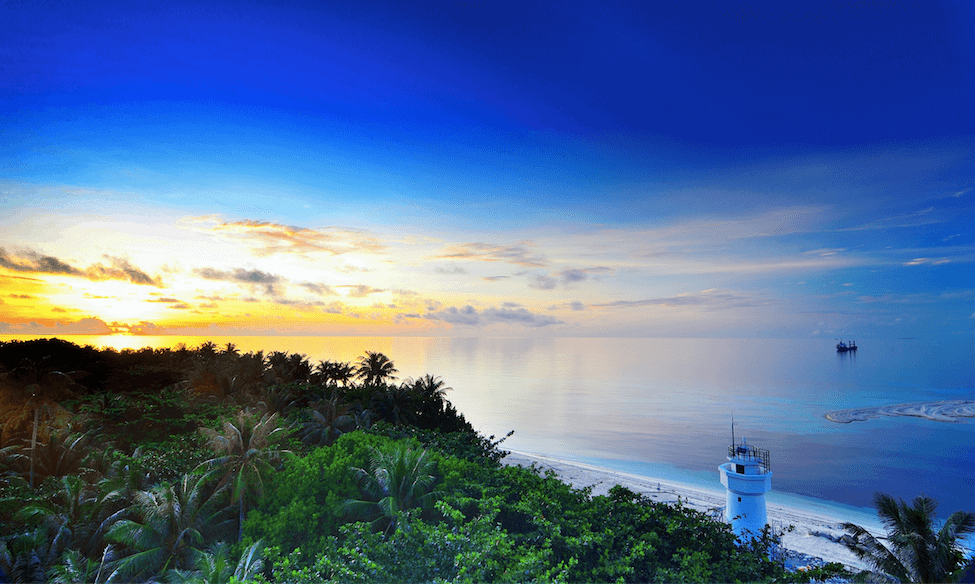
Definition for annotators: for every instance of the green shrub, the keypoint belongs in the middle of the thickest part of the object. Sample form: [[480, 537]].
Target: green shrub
[[453, 550], [302, 502], [469, 446]]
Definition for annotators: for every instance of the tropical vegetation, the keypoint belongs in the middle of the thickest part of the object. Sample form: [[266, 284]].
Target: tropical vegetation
[[211, 465], [914, 551]]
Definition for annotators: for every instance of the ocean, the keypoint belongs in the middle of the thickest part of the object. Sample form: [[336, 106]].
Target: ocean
[[664, 407]]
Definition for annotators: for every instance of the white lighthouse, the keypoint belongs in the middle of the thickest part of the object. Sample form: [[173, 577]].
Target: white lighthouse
[[747, 478]]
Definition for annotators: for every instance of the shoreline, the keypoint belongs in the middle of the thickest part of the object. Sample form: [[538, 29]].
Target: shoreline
[[814, 534]]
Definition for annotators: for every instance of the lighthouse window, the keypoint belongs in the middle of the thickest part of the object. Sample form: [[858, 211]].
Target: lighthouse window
[[739, 499], [740, 469]]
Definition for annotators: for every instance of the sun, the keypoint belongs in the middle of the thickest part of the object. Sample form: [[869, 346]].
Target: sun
[[111, 301]]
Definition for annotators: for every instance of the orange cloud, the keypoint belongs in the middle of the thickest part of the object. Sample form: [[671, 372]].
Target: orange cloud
[[268, 238]]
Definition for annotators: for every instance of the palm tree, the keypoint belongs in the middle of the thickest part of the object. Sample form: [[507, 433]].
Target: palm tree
[[431, 399], [29, 555], [327, 420], [75, 567], [396, 481], [174, 520], [243, 456], [63, 453], [916, 552], [207, 350], [278, 399], [74, 518], [214, 567], [396, 405], [10, 460], [375, 368], [334, 372], [429, 387], [116, 491], [242, 374], [42, 409], [343, 373], [285, 368], [298, 367], [79, 514]]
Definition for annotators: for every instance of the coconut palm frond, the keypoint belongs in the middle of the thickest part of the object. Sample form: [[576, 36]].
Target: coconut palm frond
[[131, 567], [915, 551], [173, 521], [395, 482], [75, 567], [375, 368], [251, 562], [176, 576], [244, 453]]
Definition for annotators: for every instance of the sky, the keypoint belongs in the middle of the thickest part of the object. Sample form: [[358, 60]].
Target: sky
[[730, 169]]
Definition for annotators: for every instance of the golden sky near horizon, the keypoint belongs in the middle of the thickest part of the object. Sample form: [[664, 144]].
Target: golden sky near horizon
[[166, 273], [207, 274]]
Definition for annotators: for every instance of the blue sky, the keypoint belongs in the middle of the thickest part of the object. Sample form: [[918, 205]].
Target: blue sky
[[472, 168]]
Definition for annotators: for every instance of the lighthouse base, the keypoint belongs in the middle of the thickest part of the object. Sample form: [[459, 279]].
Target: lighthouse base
[[746, 514], [745, 503]]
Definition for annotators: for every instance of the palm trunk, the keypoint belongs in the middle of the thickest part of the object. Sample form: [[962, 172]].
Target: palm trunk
[[33, 446], [240, 521]]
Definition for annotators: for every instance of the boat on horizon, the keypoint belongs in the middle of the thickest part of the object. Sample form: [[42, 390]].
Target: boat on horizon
[[842, 347]]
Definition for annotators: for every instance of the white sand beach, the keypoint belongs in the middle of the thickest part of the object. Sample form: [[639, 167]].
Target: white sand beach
[[814, 534]]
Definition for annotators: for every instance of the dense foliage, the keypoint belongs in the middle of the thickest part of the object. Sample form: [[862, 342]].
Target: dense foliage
[[916, 552], [208, 465]]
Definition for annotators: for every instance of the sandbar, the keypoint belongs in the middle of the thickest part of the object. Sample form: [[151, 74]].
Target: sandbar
[[952, 410]]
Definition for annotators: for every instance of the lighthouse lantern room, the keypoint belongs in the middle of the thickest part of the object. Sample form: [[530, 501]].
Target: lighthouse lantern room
[[747, 477]]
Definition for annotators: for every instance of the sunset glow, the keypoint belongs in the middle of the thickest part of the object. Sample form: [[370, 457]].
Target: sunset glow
[[470, 170]]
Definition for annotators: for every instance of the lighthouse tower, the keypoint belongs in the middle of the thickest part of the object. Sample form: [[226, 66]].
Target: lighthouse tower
[[747, 478]]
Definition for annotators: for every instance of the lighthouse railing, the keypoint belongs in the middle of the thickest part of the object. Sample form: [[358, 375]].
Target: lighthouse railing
[[749, 452]]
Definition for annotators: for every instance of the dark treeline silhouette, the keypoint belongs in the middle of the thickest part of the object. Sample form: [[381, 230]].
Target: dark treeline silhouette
[[52, 385]]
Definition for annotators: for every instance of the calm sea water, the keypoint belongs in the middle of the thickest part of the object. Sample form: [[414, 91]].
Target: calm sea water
[[663, 407]]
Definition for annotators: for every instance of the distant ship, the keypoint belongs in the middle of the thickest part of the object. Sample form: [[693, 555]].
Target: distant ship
[[842, 347]]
